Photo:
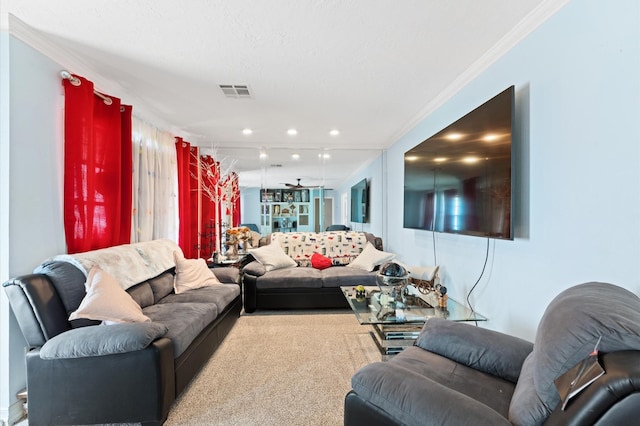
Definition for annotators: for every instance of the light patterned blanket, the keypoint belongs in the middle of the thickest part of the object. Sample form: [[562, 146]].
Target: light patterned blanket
[[129, 264], [340, 246]]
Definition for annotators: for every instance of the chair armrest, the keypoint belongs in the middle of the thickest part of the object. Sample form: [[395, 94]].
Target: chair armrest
[[614, 398], [486, 350], [413, 399], [99, 340], [254, 268]]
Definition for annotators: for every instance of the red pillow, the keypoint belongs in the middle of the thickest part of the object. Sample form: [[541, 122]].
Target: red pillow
[[319, 261]]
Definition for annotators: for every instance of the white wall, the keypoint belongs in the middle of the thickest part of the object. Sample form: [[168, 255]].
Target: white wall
[[577, 217], [34, 230]]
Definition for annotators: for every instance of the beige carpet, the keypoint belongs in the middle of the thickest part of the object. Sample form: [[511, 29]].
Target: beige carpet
[[279, 368]]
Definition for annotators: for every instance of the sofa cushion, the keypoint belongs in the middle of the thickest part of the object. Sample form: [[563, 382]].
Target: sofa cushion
[[568, 331], [487, 388], [291, 278], [106, 300], [220, 295], [418, 387], [370, 258], [142, 294], [102, 340], [68, 281], [227, 274], [162, 285], [272, 257], [184, 321], [340, 275], [319, 261], [191, 274]]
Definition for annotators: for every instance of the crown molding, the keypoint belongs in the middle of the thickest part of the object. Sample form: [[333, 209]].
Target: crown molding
[[75, 64], [40, 42], [525, 27]]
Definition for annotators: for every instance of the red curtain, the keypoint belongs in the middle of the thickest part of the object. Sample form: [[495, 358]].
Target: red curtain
[[97, 169], [183, 150], [235, 190], [210, 218], [199, 202]]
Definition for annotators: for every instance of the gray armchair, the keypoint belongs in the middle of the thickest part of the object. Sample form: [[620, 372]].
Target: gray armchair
[[458, 374], [251, 226], [338, 228]]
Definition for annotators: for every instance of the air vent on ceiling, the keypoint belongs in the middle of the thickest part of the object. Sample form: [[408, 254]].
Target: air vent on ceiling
[[276, 165], [238, 91]]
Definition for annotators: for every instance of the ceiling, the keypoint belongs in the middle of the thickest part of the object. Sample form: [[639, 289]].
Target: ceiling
[[371, 69]]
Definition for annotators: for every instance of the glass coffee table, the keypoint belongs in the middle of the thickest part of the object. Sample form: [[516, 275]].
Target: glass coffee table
[[397, 323]]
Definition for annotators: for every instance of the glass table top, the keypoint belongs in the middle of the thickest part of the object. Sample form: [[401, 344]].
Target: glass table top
[[414, 307]]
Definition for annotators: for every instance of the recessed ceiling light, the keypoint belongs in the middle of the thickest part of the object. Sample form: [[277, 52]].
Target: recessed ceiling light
[[490, 137], [324, 156], [454, 136], [263, 155], [440, 159], [411, 157], [334, 132], [292, 132], [247, 131], [470, 160], [295, 156]]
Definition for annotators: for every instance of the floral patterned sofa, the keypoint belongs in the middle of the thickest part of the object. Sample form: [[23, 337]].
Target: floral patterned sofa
[[304, 270]]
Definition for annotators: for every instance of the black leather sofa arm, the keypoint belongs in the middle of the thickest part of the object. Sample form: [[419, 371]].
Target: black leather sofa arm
[[613, 399], [67, 389], [250, 291], [485, 350]]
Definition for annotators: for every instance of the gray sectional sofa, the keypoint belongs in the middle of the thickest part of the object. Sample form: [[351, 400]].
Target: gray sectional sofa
[[82, 372], [300, 285]]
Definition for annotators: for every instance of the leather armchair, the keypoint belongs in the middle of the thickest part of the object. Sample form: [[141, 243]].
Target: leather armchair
[[459, 374]]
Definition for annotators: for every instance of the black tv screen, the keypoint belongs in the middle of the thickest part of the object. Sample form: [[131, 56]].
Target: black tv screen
[[359, 202], [460, 179]]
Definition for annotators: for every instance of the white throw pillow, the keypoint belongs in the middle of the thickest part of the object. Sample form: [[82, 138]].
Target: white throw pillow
[[272, 257], [370, 257], [107, 301], [192, 274], [419, 272], [423, 273]]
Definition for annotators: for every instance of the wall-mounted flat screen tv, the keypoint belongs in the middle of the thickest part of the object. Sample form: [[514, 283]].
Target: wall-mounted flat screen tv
[[359, 202], [460, 180]]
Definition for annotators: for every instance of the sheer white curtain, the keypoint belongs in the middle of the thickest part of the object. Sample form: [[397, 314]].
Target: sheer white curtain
[[155, 183]]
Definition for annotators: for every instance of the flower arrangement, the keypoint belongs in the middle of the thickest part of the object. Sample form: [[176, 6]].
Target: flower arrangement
[[234, 236]]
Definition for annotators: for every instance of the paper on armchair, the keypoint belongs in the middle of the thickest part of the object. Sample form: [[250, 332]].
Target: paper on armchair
[[579, 377]]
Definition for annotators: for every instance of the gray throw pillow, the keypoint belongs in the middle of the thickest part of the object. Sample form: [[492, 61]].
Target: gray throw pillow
[[485, 350], [101, 340]]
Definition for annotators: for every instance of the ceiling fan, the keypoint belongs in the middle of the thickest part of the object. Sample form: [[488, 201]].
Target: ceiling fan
[[299, 186]]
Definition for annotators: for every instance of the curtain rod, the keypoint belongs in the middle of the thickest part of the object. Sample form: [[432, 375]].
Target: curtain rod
[[76, 82]]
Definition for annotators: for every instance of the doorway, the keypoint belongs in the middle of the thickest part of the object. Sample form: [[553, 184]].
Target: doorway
[[327, 218]]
